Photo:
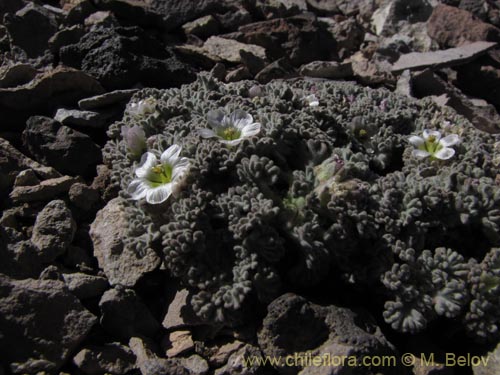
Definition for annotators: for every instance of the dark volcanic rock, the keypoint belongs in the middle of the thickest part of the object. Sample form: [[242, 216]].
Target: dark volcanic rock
[[481, 80], [111, 358], [85, 286], [17, 74], [301, 38], [19, 257], [124, 315], [451, 27], [294, 325], [53, 231], [10, 6], [44, 191], [60, 146], [105, 100], [41, 324], [31, 28], [121, 57]]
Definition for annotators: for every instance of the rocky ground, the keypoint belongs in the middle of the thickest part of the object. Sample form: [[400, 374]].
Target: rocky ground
[[72, 299]]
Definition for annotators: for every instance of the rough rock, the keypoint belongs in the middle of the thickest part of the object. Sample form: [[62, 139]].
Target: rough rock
[[327, 69], [325, 7], [42, 323], [83, 196], [46, 190], [124, 315], [452, 27], [85, 286], [87, 119], [444, 58], [149, 362], [301, 38], [390, 17], [121, 57], [26, 177], [403, 86], [294, 326], [60, 146], [112, 358], [270, 9], [78, 258], [493, 365], [421, 367], [64, 37], [31, 28], [480, 79], [281, 68], [220, 357], [195, 364], [180, 313], [202, 27], [237, 363], [238, 74], [480, 114], [50, 90], [229, 50], [12, 162], [121, 264], [233, 19], [10, 6], [105, 100], [19, 257], [370, 72], [348, 35], [17, 74], [53, 231], [178, 342]]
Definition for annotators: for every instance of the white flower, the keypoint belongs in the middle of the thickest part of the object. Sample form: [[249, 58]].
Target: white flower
[[135, 138], [311, 100], [143, 108], [156, 181], [433, 145], [231, 129]]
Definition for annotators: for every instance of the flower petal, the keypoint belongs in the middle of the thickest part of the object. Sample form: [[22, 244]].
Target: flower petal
[[207, 133], [250, 130], [171, 154], [416, 141], [445, 153], [137, 189], [449, 140], [159, 194], [239, 119], [214, 118], [180, 168], [148, 161], [312, 100], [429, 133], [420, 154], [232, 142]]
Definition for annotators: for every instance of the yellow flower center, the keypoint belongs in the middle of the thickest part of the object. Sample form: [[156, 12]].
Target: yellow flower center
[[162, 174], [230, 134], [362, 133]]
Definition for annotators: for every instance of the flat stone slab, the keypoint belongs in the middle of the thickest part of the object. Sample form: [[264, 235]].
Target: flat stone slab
[[104, 100], [443, 58]]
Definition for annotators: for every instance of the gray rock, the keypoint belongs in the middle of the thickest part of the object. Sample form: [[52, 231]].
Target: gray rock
[[270, 9], [371, 71], [295, 326], [403, 86], [325, 7], [121, 264], [229, 50], [148, 361], [42, 323], [238, 74], [44, 191], [10, 6], [202, 27], [64, 37], [60, 146], [53, 231], [112, 358], [481, 114], [253, 63], [423, 367], [19, 257], [220, 357], [88, 119], [393, 14], [85, 286], [31, 28], [441, 59], [124, 315], [12, 162], [17, 74], [490, 364], [238, 364], [105, 100], [348, 35], [26, 177], [83, 196], [278, 69], [327, 69], [180, 313], [178, 342], [195, 364]]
